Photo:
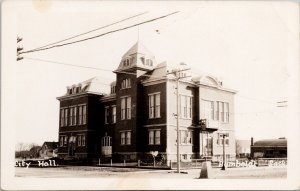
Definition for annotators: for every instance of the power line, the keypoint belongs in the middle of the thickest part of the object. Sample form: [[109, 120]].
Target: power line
[[113, 31], [94, 68], [90, 31], [62, 63]]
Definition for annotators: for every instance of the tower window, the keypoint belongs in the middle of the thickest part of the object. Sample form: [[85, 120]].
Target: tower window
[[126, 83], [126, 62]]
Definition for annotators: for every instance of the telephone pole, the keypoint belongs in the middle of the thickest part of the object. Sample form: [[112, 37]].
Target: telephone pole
[[178, 76]]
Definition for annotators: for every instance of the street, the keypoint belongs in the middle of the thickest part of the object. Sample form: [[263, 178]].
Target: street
[[111, 172]]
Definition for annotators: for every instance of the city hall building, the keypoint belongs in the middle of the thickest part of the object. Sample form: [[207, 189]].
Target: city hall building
[[138, 115]]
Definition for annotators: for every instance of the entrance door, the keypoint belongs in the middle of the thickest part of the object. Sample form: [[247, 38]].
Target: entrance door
[[106, 146], [71, 147], [206, 144]]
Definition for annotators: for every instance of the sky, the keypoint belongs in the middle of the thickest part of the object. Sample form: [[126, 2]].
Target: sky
[[245, 44]]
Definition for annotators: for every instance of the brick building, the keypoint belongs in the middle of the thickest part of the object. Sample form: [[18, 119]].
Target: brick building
[[137, 116]]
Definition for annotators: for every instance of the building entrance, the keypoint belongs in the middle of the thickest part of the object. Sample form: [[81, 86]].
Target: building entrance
[[206, 143], [106, 146]]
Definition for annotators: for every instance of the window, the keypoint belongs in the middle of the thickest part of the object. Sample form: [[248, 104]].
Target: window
[[62, 117], [212, 110], [79, 140], [189, 107], [122, 138], [190, 137], [183, 137], [157, 105], [65, 140], [66, 117], [226, 112], [125, 108], [125, 137], [220, 139], [154, 105], [113, 89], [186, 106], [128, 107], [222, 113], [106, 115], [62, 141], [73, 113], [114, 114], [154, 137], [151, 106], [157, 137], [126, 83], [126, 62], [83, 140], [84, 114], [79, 115], [151, 137], [186, 137], [218, 111], [128, 138]]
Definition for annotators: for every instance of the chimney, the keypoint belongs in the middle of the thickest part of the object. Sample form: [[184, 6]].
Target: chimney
[[252, 141]]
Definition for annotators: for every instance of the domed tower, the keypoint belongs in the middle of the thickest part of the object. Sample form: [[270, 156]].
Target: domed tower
[[134, 63]]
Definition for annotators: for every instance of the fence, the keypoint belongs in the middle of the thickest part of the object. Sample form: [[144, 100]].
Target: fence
[[159, 164]]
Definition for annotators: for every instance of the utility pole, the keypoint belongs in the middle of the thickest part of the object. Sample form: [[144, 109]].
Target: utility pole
[[223, 166], [178, 76], [19, 49]]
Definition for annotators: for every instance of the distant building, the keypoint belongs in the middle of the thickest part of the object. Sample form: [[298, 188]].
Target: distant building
[[269, 148], [243, 148], [49, 150], [137, 116]]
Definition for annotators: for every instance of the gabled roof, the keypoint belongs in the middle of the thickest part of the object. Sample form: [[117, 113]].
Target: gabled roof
[[50, 145]]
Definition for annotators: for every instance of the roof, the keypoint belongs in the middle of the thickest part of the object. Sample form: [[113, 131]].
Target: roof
[[139, 48], [271, 142], [93, 85], [51, 145], [137, 56]]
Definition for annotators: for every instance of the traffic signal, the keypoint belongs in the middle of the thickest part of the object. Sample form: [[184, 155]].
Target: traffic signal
[[19, 49]]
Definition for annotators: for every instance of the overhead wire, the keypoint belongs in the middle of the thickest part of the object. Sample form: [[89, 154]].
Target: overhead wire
[[97, 36], [75, 36]]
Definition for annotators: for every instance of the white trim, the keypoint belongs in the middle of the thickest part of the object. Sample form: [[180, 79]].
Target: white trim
[[124, 130], [154, 93], [154, 129], [154, 81], [125, 96], [155, 125]]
